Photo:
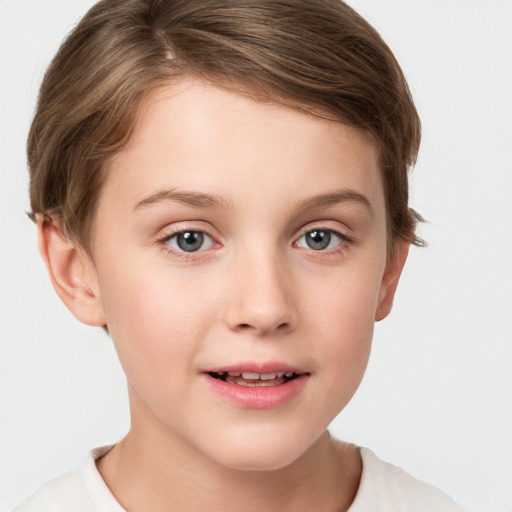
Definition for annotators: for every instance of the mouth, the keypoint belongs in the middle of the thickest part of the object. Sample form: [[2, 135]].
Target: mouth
[[257, 385], [253, 379]]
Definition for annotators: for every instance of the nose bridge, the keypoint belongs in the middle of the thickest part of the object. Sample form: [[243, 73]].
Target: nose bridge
[[261, 295]]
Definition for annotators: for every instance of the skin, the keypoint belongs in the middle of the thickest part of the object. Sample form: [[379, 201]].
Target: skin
[[256, 291]]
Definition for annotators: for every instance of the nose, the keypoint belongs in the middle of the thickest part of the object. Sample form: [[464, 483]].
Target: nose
[[261, 298]]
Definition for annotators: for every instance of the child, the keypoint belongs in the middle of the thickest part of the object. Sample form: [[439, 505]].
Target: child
[[222, 186]]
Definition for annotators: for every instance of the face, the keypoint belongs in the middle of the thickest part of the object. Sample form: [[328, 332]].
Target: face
[[240, 262]]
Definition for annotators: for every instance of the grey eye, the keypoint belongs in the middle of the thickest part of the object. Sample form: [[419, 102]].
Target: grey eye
[[320, 239], [190, 241]]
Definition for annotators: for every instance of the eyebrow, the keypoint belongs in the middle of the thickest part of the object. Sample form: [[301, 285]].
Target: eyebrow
[[193, 199], [212, 201], [334, 198]]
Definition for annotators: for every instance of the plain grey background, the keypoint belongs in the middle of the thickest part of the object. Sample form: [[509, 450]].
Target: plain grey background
[[437, 397]]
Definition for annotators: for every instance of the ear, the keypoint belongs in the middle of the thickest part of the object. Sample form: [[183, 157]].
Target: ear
[[390, 279], [72, 273]]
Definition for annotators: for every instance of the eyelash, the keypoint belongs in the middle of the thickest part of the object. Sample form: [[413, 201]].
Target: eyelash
[[340, 248]]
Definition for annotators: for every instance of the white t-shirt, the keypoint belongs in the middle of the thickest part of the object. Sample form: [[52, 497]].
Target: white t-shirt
[[383, 488]]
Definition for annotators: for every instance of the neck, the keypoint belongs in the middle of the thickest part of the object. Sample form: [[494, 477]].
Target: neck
[[154, 472]]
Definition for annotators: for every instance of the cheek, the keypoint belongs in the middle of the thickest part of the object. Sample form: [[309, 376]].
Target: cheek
[[345, 303], [154, 317], [343, 323]]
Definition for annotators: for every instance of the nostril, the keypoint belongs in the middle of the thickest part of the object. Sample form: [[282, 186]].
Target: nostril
[[245, 326]]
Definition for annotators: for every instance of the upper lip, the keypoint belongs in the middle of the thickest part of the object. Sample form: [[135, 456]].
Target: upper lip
[[257, 367]]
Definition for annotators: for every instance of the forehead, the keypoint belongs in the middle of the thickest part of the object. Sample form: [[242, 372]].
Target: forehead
[[193, 135]]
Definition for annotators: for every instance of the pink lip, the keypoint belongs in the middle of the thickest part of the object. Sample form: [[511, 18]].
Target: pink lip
[[257, 397], [254, 367]]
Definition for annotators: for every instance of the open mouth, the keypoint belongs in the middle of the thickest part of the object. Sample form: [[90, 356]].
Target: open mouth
[[255, 379]]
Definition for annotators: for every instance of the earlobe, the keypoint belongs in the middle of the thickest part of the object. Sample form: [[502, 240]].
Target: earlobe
[[71, 272], [390, 279]]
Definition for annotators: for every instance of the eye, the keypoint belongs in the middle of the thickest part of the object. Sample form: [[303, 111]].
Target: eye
[[320, 239], [189, 241]]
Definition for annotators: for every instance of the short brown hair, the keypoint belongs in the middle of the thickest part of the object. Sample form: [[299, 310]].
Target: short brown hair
[[316, 55]]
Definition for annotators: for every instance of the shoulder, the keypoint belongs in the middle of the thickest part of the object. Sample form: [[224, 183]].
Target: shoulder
[[80, 490], [63, 493], [388, 488]]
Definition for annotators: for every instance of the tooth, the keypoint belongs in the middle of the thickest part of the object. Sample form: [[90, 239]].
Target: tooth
[[250, 376], [280, 374], [266, 383], [220, 374], [247, 384], [268, 376], [235, 374], [288, 374]]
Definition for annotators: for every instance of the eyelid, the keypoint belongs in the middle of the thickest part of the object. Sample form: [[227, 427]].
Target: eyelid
[[175, 228], [332, 226]]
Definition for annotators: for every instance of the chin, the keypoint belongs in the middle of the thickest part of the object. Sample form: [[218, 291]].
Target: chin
[[261, 452], [262, 461]]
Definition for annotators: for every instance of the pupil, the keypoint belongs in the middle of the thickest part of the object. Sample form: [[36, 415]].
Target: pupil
[[190, 241], [318, 239]]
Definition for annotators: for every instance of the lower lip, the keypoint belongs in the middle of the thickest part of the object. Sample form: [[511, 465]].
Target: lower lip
[[258, 397]]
